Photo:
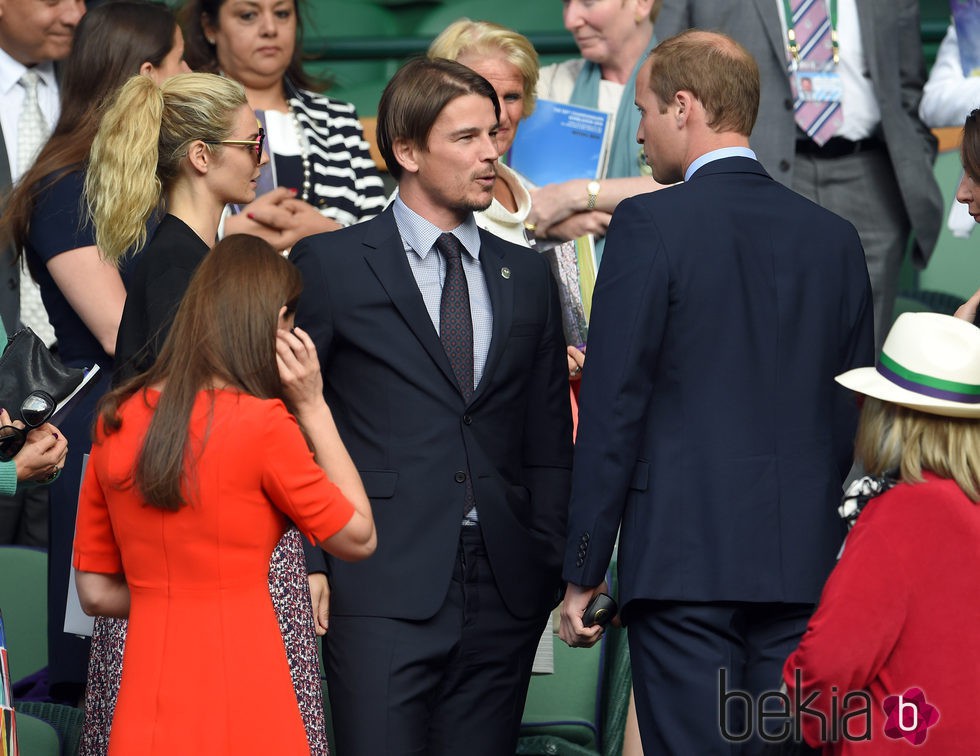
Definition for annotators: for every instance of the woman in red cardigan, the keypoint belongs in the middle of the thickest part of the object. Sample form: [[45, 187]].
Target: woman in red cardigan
[[891, 657]]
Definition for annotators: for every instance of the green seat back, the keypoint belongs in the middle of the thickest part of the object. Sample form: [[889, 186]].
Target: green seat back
[[36, 737], [24, 604], [525, 16]]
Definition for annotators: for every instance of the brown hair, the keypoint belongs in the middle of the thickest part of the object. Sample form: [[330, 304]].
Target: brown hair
[[488, 39], [224, 334], [970, 149], [891, 437], [717, 70], [415, 97], [201, 55], [111, 42]]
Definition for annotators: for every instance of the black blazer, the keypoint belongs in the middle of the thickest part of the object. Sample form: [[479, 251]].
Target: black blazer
[[399, 411], [710, 424]]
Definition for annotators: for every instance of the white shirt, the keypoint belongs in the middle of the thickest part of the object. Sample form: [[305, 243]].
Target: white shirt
[[949, 96], [859, 104], [12, 99]]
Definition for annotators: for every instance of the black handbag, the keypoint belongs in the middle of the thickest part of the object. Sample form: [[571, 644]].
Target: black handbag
[[27, 365]]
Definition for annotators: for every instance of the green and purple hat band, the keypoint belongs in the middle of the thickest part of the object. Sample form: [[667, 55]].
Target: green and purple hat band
[[927, 385]]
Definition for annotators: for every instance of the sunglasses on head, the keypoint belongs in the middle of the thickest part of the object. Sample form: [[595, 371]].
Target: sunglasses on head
[[256, 144], [36, 410]]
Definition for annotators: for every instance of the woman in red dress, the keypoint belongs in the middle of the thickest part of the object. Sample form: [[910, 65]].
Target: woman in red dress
[[196, 466]]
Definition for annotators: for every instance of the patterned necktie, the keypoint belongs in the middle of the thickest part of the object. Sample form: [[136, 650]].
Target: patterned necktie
[[32, 133], [456, 331], [820, 120], [455, 320], [32, 129]]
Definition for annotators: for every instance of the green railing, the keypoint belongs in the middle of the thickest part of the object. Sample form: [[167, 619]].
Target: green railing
[[372, 48]]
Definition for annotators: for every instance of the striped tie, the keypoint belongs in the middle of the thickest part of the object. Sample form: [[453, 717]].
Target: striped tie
[[820, 120]]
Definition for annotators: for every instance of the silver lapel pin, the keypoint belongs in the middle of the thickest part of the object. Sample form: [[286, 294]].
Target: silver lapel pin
[[505, 272]]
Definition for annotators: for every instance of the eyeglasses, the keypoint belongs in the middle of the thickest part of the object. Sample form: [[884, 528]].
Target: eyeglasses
[[255, 144], [36, 410]]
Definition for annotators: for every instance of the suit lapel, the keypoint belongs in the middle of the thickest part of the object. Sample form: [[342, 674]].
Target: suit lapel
[[770, 22], [501, 291], [386, 257]]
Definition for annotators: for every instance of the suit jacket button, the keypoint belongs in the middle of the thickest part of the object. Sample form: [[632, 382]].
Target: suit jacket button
[[460, 477], [784, 165], [467, 420], [579, 562], [585, 537], [788, 104]]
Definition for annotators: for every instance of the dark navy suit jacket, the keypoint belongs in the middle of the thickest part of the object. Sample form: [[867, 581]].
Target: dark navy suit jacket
[[392, 391], [710, 424]]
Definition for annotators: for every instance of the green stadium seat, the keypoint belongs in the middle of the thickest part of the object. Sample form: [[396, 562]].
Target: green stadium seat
[[36, 737], [66, 721], [24, 603], [524, 16], [340, 19]]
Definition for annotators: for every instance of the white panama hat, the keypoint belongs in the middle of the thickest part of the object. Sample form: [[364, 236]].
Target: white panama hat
[[930, 362]]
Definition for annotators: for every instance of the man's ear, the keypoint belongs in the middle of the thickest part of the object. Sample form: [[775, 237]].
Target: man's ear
[[684, 104], [405, 153]]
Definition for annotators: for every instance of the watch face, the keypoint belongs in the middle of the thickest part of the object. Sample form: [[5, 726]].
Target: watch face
[[592, 187]]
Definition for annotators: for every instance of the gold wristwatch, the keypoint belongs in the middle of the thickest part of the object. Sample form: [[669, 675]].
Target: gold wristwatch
[[593, 189]]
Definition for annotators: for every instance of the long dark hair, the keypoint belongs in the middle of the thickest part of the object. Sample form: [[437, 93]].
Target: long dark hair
[[224, 334], [202, 56], [111, 42]]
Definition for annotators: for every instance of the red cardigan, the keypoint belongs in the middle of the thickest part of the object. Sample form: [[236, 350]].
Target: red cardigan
[[901, 610]]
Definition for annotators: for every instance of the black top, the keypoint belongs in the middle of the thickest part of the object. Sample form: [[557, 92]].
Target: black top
[[161, 274]]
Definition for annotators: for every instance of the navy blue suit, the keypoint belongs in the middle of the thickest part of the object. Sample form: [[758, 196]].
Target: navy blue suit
[[414, 439], [710, 424]]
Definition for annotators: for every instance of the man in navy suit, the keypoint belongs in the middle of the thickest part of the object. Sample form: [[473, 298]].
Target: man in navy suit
[[444, 364], [711, 429]]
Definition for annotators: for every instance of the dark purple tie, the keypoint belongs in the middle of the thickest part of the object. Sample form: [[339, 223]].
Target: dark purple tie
[[456, 330], [455, 320]]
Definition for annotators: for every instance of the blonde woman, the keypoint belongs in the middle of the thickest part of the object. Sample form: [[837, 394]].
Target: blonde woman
[[892, 648], [193, 145]]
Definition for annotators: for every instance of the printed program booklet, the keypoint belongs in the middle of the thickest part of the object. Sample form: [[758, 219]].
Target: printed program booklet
[[559, 142]]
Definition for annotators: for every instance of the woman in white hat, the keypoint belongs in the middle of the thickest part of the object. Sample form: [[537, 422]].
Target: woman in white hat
[[892, 651]]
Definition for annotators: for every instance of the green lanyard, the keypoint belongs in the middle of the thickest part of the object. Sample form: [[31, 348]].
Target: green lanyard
[[794, 48]]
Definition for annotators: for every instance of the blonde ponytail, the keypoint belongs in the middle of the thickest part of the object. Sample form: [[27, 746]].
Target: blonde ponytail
[[144, 136], [121, 183]]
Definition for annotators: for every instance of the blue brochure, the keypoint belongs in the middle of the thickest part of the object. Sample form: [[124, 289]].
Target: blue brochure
[[558, 142]]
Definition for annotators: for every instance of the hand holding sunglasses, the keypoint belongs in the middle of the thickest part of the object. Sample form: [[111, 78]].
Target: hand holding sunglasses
[[38, 452]]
